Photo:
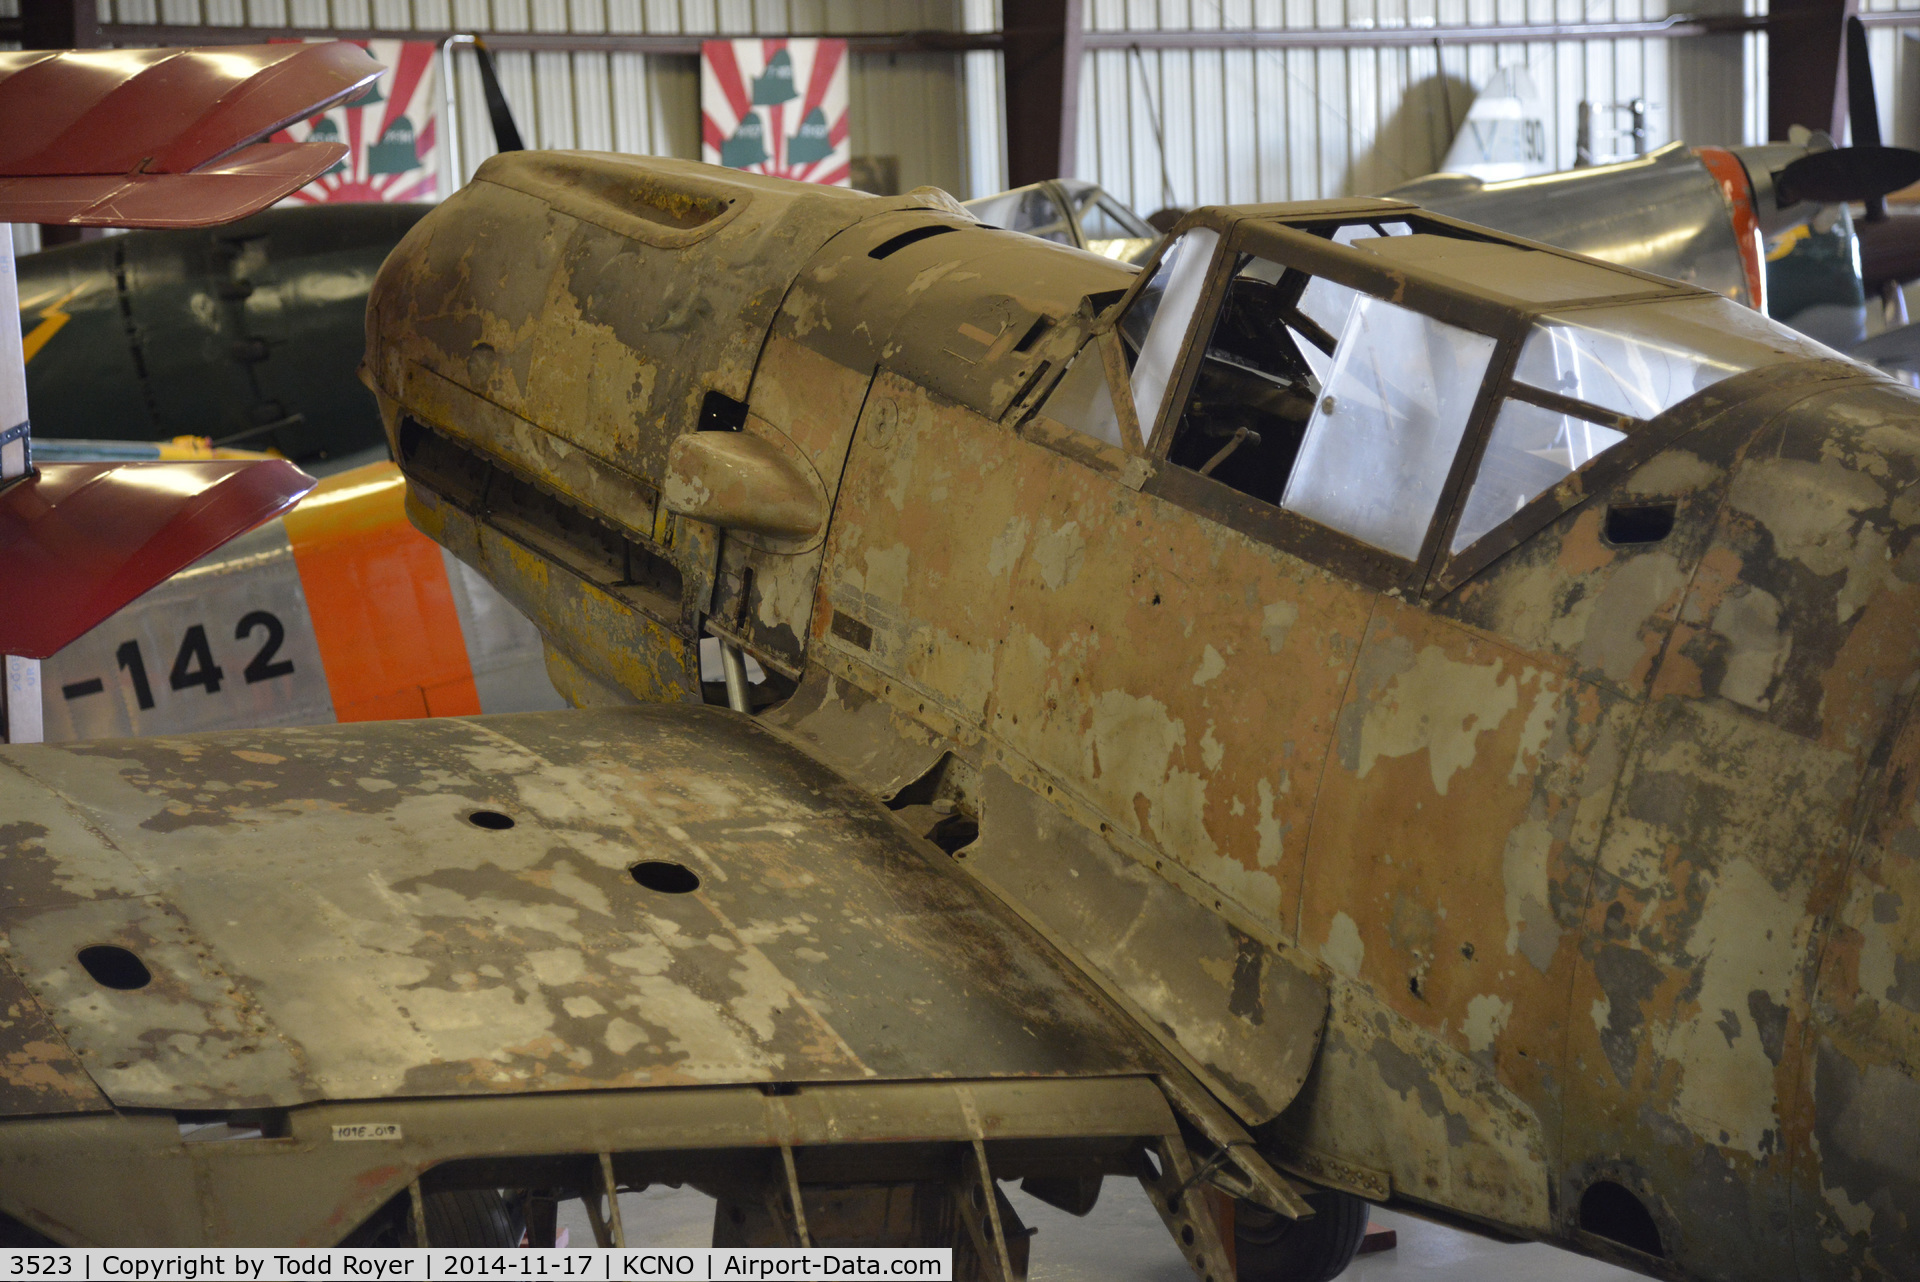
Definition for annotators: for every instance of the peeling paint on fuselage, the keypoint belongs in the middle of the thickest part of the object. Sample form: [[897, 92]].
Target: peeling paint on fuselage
[[1566, 839]]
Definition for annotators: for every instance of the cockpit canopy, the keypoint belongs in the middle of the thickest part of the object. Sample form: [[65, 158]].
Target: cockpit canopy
[[1349, 371]]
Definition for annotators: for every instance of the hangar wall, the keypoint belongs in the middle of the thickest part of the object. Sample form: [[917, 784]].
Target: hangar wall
[[1896, 73], [1156, 126], [1295, 124], [911, 106]]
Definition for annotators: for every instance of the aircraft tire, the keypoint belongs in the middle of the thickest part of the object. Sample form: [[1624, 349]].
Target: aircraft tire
[[471, 1217], [1271, 1248], [465, 1217]]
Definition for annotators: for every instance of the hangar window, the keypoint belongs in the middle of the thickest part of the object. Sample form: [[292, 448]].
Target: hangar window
[[1345, 408]]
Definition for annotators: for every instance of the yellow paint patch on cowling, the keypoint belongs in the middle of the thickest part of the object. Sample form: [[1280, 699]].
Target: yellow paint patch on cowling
[[810, 398]]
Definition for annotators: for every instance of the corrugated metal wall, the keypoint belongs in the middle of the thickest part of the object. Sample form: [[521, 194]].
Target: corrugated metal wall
[[1296, 124], [1156, 127], [912, 107], [1896, 73]]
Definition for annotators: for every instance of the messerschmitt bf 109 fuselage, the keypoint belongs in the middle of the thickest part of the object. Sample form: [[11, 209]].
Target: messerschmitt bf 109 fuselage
[[1586, 798], [1432, 706]]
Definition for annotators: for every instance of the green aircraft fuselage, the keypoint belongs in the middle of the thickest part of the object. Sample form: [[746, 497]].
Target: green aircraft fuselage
[[248, 333]]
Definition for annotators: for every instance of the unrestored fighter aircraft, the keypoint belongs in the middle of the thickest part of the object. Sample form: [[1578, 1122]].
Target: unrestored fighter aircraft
[[1364, 708]]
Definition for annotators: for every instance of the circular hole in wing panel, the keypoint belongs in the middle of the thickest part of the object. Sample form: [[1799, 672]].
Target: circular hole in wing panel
[[491, 820], [115, 967], [667, 878]]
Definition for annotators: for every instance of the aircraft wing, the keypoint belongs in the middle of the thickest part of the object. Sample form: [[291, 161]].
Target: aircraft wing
[[400, 923], [165, 137], [80, 540]]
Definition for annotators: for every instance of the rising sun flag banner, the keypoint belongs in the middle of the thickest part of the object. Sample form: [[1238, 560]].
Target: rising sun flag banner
[[776, 107], [392, 134]]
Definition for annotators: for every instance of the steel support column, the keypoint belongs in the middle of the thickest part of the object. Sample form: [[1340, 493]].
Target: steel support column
[[1042, 87], [59, 24], [1806, 76]]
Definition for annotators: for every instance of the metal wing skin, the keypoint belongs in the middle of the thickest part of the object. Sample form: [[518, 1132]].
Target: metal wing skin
[[547, 934], [80, 540], [165, 137]]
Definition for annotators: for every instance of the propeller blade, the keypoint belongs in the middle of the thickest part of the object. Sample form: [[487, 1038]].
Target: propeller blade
[[1846, 174], [1863, 106], [166, 137], [506, 134]]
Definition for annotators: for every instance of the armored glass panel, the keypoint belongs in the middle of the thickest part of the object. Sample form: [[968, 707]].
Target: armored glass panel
[[997, 210], [1155, 326], [1643, 359], [1101, 215], [1111, 229], [1529, 450], [1383, 436]]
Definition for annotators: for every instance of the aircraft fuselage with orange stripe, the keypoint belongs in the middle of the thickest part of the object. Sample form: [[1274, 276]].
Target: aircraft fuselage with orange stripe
[[339, 611]]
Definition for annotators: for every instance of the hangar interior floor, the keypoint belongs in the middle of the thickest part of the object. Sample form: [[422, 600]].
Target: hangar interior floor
[[1123, 1241]]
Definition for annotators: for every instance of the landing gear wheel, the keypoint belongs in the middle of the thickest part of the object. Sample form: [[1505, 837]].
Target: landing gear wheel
[[465, 1217], [472, 1217], [1272, 1248]]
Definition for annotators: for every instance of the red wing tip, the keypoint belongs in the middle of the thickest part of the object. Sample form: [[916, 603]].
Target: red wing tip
[[79, 541]]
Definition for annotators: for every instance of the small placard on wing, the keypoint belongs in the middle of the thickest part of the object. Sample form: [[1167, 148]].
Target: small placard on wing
[[369, 1131]]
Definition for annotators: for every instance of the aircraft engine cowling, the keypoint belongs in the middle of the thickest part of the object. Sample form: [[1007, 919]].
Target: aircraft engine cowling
[[537, 344], [540, 342]]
